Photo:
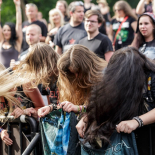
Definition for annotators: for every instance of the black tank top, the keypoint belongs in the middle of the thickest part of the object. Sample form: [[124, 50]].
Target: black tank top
[[7, 54]]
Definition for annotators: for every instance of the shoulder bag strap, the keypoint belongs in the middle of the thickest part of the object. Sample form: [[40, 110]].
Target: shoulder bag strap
[[119, 29]]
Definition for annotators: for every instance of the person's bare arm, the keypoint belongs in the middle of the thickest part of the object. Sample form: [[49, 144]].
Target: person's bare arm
[[140, 7], [35, 96], [134, 25], [18, 24], [131, 125], [42, 39], [58, 50], [108, 55], [1, 33], [111, 33]]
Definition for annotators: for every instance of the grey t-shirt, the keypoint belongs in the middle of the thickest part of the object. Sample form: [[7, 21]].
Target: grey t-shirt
[[68, 36]]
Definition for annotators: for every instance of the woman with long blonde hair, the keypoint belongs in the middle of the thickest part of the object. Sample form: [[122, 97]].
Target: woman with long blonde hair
[[63, 7], [123, 25], [16, 98], [39, 66], [56, 21]]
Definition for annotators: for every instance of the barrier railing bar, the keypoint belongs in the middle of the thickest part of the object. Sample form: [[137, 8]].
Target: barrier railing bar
[[32, 144]]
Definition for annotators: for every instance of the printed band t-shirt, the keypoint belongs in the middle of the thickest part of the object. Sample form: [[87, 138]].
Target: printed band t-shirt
[[148, 7], [52, 91], [68, 36], [148, 49], [126, 34]]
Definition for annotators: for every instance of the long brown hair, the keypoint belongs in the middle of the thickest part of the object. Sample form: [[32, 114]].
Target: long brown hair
[[123, 5], [79, 70], [40, 65]]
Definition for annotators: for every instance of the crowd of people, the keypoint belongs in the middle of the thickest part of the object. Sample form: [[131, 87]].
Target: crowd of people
[[82, 58]]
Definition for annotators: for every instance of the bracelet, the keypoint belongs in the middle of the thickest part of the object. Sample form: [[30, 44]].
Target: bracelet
[[50, 108], [54, 106], [78, 108], [139, 120], [84, 110]]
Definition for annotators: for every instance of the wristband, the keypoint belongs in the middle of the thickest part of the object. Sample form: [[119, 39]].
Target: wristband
[[50, 108], [78, 108], [139, 120], [54, 106], [1, 130]]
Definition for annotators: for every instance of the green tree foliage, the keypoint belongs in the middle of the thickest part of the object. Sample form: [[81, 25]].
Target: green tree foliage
[[8, 8]]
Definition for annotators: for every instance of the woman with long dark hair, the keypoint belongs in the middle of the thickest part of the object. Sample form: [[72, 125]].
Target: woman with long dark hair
[[11, 38], [120, 96], [144, 39]]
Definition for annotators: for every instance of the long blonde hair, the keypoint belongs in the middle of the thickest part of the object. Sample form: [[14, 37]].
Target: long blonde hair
[[123, 5], [40, 65], [8, 83], [79, 70], [51, 25]]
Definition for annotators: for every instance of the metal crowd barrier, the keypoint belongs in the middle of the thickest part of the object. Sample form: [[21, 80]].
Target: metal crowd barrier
[[21, 144]]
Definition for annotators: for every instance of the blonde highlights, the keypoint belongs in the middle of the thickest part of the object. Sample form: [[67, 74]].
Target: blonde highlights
[[79, 70], [51, 13], [40, 65]]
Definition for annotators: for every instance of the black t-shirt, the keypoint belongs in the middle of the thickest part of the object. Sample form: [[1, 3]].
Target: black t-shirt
[[66, 19], [148, 7], [25, 24], [148, 49], [53, 93], [126, 34], [106, 17], [102, 29], [68, 36], [99, 44]]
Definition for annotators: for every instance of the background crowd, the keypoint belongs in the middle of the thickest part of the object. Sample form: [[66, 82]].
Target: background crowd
[[84, 50]]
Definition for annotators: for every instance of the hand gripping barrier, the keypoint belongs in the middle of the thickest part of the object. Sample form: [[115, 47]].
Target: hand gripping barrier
[[35, 136]]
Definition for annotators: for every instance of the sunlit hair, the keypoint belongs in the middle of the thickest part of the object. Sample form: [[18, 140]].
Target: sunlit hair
[[51, 13], [79, 70], [65, 5], [31, 5], [103, 2], [8, 83], [149, 1], [120, 94], [123, 5], [40, 64]]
